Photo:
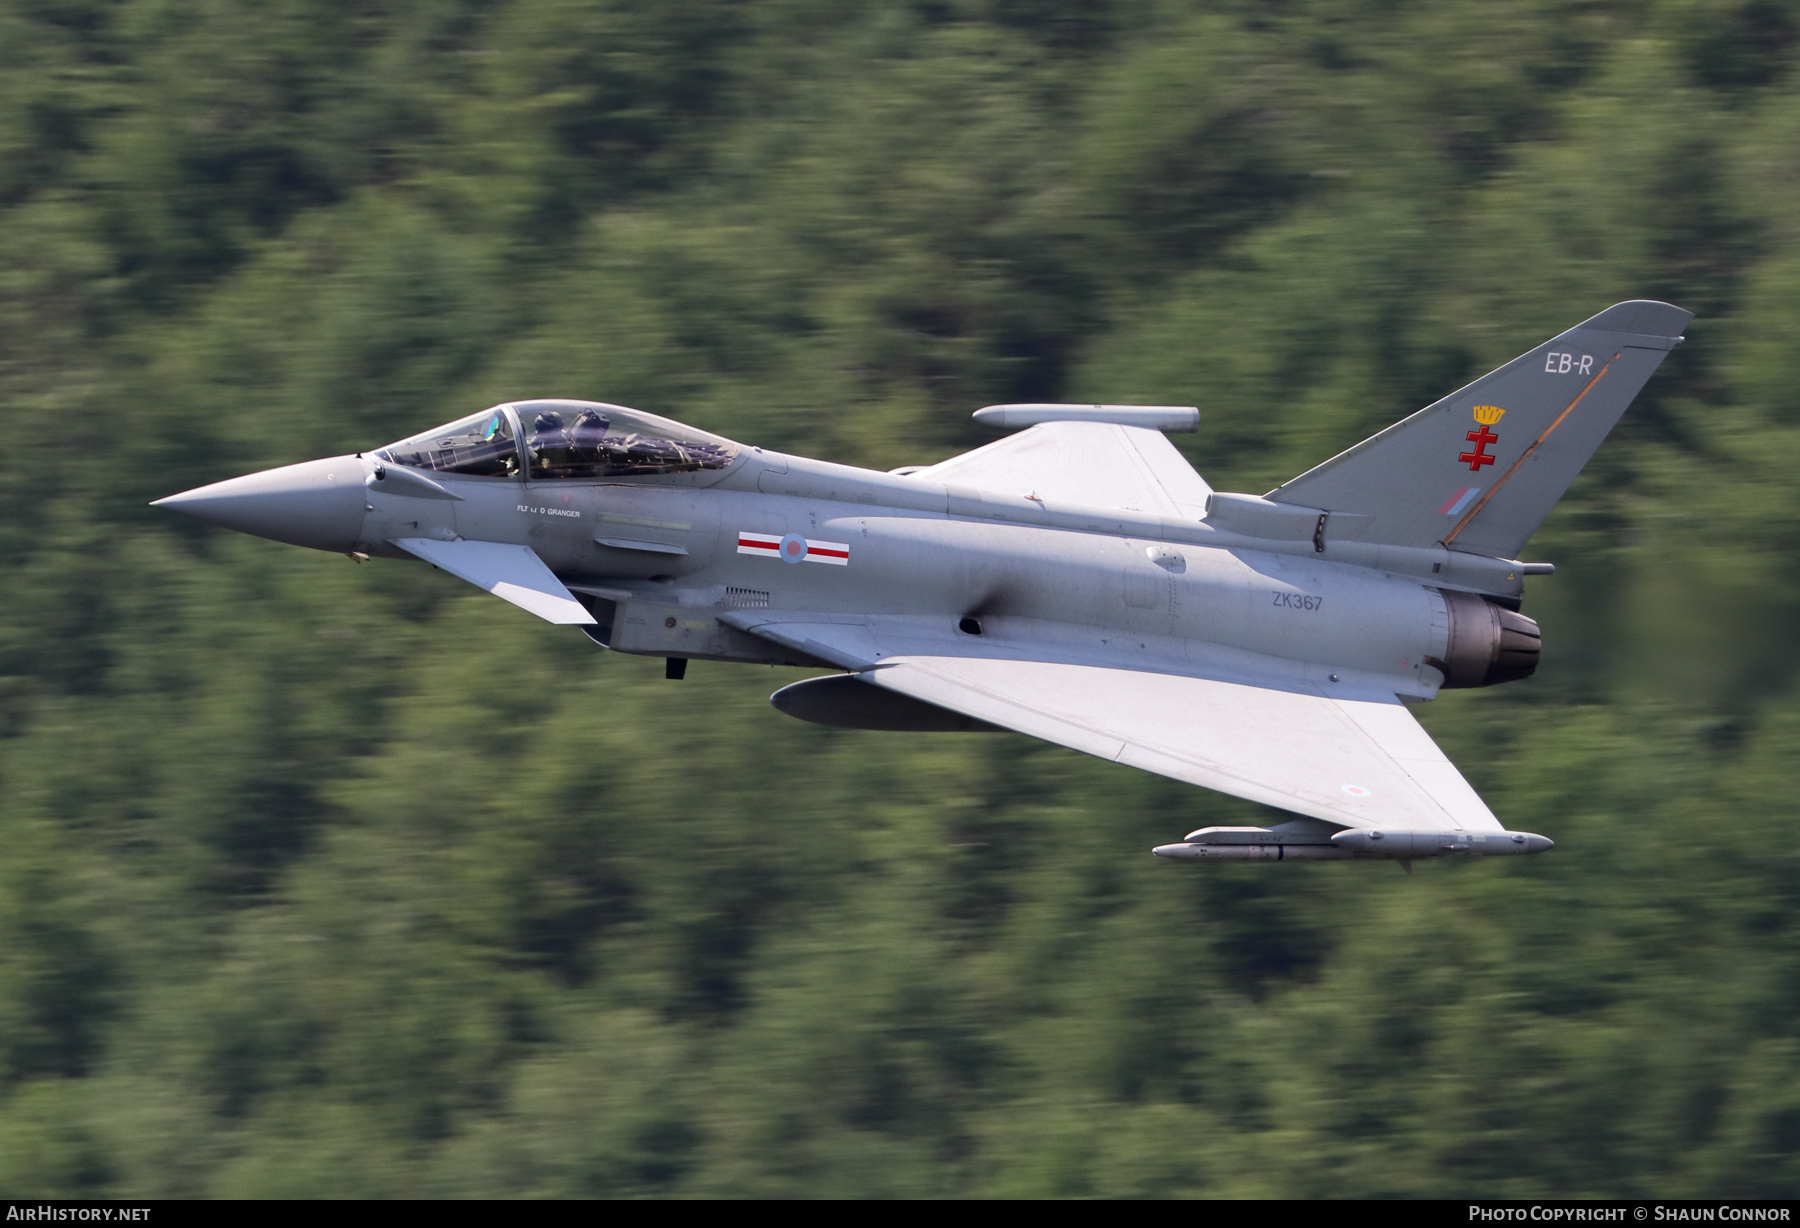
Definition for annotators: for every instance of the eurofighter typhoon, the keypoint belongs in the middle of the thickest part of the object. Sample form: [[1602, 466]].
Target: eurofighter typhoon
[[1076, 581]]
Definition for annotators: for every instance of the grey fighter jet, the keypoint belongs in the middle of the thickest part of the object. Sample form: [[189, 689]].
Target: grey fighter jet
[[1076, 581]]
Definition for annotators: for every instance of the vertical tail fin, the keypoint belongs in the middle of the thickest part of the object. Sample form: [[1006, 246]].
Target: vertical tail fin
[[1480, 469]]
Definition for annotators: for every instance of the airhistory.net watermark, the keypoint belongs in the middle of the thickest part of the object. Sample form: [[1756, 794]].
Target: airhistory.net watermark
[[49, 1213]]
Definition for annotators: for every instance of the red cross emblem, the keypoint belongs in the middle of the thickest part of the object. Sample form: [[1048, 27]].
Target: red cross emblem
[[1479, 457]]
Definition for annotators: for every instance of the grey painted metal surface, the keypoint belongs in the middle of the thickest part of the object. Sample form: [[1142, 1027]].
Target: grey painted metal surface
[[1077, 581], [1155, 417], [1519, 435]]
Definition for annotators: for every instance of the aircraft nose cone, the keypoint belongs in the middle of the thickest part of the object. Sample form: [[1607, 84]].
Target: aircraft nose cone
[[318, 504]]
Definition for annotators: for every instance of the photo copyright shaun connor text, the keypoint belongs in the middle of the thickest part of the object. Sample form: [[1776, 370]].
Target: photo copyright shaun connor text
[[1722, 1212]]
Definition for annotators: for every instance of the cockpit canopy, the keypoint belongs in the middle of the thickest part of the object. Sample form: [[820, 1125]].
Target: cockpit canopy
[[562, 439]]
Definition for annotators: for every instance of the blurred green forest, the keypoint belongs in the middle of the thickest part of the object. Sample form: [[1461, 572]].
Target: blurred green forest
[[319, 879]]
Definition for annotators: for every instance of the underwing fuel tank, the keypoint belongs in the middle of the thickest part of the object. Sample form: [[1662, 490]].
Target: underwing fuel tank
[[1305, 840]]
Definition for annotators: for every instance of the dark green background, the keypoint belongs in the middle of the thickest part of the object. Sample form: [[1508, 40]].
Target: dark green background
[[319, 879]]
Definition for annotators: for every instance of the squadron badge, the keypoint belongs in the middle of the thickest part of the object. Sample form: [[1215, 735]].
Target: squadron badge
[[1485, 416]]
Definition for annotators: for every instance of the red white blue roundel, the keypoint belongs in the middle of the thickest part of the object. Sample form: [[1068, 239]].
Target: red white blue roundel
[[793, 548]]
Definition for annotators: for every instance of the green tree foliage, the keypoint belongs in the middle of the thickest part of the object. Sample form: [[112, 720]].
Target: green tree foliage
[[322, 879]]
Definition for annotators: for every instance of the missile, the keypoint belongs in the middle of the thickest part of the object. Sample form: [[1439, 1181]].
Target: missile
[[1253, 852], [1309, 840], [1418, 845], [1151, 417], [1298, 840]]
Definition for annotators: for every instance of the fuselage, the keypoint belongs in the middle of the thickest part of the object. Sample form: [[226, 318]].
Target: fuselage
[[674, 555], [1078, 582], [661, 540], [672, 539]]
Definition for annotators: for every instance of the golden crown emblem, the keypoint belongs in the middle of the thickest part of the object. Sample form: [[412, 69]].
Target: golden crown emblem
[[1487, 415]]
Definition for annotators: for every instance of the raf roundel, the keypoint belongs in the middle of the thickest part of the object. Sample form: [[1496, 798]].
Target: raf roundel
[[793, 548], [1356, 791]]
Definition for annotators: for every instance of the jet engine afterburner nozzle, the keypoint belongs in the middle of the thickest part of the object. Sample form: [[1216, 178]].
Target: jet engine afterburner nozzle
[[1488, 644], [317, 504]]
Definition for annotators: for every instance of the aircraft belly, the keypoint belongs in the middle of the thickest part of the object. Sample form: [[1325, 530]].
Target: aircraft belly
[[647, 625]]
